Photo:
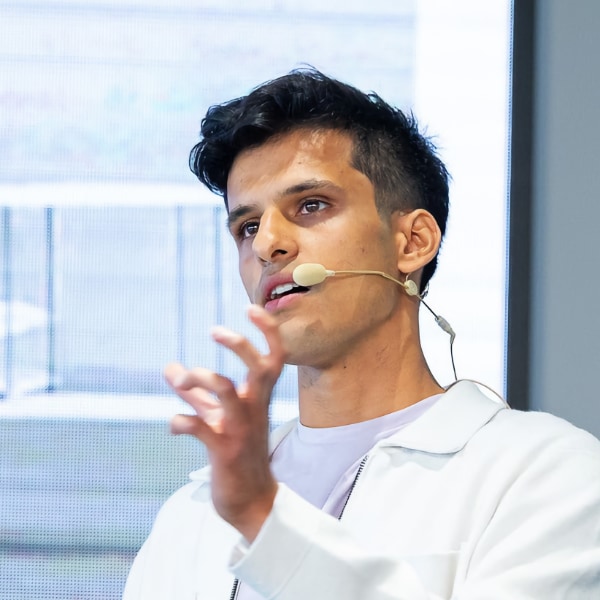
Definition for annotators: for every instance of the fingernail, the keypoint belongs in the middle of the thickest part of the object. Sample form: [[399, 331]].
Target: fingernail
[[254, 310], [218, 331], [179, 380]]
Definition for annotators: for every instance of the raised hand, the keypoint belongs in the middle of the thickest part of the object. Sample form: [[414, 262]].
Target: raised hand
[[234, 425]]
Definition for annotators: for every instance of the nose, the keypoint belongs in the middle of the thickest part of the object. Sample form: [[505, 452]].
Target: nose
[[274, 238]]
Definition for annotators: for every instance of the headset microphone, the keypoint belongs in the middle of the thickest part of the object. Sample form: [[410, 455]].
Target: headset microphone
[[310, 274]]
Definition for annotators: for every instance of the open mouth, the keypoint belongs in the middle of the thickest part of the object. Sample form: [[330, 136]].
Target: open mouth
[[286, 289]]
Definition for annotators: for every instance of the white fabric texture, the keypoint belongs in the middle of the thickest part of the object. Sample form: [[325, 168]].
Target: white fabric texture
[[319, 464], [470, 501]]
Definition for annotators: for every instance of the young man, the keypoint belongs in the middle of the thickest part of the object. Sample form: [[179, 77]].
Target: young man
[[388, 486]]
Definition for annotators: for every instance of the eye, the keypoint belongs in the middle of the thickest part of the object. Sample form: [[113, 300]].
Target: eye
[[312, 206], [247, 229]]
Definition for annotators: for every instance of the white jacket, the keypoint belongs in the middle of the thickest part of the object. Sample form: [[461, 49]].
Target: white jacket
[[470, 502]]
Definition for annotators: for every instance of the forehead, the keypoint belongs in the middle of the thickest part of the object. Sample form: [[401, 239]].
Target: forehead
[[285, 160]]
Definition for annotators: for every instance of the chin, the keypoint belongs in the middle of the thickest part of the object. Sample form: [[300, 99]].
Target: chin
[[306, 354], [307, 343]]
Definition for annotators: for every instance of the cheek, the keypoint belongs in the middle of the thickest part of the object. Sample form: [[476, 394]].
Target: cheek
[[249, 274]]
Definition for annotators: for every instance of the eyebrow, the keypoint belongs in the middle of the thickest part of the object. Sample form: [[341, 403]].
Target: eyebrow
[[242, 210], [308, 185], [238, 213]]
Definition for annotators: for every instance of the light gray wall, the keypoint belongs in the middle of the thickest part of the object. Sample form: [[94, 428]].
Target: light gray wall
[[565, 313]]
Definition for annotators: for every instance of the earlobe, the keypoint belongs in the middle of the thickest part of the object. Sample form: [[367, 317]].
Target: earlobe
[[418, 239]]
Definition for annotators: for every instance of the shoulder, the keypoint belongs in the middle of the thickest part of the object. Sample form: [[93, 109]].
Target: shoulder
[[536, 430], [491, 423], [502, 444], [527, 455]]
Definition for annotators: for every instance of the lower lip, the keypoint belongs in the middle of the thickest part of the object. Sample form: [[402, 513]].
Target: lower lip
[[283, 302]]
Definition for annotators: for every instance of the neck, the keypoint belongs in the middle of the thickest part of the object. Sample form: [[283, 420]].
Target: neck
[[378, 377]]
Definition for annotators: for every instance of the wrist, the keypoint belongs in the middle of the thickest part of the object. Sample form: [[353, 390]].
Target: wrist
[[250, 521]]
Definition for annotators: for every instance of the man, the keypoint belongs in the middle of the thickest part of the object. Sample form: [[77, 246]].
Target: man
[[388, 486]]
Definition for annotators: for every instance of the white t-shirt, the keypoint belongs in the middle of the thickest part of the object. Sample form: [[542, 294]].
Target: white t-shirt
[[320, 464]]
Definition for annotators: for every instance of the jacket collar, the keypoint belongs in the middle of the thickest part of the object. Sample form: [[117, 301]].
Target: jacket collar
[[450, 423], [444, 429]]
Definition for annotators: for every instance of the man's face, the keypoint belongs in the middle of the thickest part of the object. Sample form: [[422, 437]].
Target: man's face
[[297, 199]]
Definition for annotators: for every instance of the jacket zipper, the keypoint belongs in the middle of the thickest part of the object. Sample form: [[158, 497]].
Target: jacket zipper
[[234, 590], [361, 466]]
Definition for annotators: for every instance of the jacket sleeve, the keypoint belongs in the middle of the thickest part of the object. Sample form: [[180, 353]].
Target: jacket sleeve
[[303, 553], [542, 542]]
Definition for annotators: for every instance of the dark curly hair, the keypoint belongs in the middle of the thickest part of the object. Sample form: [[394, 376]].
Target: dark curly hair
[[401, 163]]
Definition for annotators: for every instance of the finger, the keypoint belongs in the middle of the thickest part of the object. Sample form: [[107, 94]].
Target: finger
[[238, 344], [172, 372], [181, 380], [201, 382], [245, 350], [261, 368], [207, 407], [201, 378], [189, 425], [205, 404], [268, 326]]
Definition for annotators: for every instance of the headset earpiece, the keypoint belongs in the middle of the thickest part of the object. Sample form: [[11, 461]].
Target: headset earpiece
[[410, 287]]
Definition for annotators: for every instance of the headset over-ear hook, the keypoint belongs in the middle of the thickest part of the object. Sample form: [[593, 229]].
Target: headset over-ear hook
[[410, 286]]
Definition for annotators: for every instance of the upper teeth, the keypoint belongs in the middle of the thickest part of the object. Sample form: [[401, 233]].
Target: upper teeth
[[282, 289]]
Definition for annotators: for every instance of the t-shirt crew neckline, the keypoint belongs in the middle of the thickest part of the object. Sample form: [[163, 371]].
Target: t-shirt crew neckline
[[375, 429], [319, 464]]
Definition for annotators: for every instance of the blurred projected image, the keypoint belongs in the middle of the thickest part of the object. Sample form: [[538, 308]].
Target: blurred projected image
[[114, 261]]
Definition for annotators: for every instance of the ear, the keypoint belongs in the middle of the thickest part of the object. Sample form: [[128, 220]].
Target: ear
[[418, 238]]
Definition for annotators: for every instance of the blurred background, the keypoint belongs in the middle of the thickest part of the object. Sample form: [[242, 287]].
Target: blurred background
[[114, 260]]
